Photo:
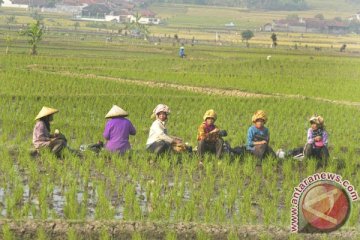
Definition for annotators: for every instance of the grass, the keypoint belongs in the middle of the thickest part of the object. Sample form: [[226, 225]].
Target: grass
[[134, 188]]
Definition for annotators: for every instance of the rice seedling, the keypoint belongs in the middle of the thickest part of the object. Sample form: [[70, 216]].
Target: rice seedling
[[71, 234], [41, 234], [6, 232]]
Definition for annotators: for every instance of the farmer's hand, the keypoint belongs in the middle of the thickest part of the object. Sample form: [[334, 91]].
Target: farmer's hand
[[216, 130], [260, 142], [56, 133], [318, 138]]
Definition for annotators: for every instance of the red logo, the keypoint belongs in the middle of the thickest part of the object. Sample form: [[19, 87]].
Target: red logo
[[325, 207]]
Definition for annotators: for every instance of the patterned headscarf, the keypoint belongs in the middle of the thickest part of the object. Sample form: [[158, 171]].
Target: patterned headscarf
[[160, 108]]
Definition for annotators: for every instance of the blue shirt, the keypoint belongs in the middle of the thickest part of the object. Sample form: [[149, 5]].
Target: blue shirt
[[264, 132]]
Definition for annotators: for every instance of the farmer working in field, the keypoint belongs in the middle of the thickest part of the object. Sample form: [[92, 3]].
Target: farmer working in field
[[208, 136], [182, 52], [41, 135], [117, 130], [159, 141], [258, 137], [317, 139]]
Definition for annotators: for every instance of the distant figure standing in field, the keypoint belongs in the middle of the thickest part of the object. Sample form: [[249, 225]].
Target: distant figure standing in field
[[159, 141], [182, 52], [258, 137], [208, 136], [317, 140], [117, 130], [42, 138], [343, 47]]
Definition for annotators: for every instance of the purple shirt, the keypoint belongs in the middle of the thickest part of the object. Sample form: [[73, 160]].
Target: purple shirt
[[310, 139], [117, 131], [41, 136]]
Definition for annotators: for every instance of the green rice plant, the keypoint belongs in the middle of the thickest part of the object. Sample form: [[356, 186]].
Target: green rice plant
[[84, 204], [41, 234], [218, 209], [132, 210], [295, 236], [71, 234], [232, 235], [6, 233], [45, 190], [104, 234], [71, 208], [265, 236], [202, 235], [245, 206], [136, 236], [171, 235], [354, 215], [104, 209], [14, 201]]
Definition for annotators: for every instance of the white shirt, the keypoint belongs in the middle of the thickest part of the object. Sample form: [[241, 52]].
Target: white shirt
[[158, 132]]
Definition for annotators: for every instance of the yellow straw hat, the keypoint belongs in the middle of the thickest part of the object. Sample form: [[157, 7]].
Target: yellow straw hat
[[259, 114], [116, 111], [210, 114], [46, 111]]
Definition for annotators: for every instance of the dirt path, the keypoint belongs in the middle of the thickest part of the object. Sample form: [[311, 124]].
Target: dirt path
[[59, 229], [202, 90]]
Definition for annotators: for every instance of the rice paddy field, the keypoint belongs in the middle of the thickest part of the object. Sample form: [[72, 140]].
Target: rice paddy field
[[139, 197]]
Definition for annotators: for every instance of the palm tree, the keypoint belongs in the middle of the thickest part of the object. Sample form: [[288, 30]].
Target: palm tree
[[135, 25], [35, 32]]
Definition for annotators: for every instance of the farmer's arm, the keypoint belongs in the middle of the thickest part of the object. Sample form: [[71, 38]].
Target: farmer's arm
[[325, 138], [107, 129], [201, 133], [250, 137], [132, 129], [310, 140]]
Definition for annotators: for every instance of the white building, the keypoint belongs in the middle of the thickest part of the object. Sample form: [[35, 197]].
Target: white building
[[144, 20], [8, 3], [111, 18], [355, 17]]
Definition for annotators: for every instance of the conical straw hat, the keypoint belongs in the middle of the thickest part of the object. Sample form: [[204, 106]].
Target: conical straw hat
[[46, 111], [116, 111]]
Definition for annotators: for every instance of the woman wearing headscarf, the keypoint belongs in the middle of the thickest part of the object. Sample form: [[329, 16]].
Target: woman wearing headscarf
[[317, 139], [208, 135], [159, 140], [42, 138], [258, 137], [117, 130]]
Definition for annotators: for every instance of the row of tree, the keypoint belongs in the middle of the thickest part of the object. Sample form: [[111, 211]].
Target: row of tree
[[290, 5]]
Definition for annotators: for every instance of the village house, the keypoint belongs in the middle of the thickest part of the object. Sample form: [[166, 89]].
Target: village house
[[309, 25], [267, 28], [355, 17], [96, 11], [15, 4]]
